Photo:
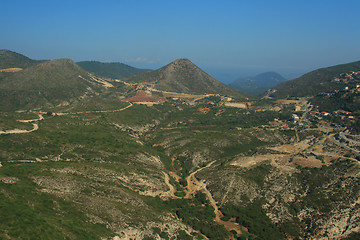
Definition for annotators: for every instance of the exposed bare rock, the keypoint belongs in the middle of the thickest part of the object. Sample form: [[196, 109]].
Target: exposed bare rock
[[135, 131], [147, 159]]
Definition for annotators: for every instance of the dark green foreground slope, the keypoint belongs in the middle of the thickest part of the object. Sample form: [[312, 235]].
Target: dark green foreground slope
[[96, 175]]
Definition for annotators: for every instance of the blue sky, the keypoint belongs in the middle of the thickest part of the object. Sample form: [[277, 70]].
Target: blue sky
[[228, 39]]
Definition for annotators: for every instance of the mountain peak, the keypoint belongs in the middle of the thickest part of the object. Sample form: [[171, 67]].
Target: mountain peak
[[182, 61], [181, 65], [62, 63], [184, 76]]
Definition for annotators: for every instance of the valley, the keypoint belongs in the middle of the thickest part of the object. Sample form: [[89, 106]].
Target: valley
[[142, 159], [188, 145]]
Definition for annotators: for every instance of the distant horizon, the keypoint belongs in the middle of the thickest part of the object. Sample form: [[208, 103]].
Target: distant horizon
[[224, 76]]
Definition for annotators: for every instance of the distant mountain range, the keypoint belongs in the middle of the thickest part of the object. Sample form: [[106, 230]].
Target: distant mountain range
[[31, 83], [184, 76], [113, 70], [315, 82], [35, 84], [258, 84]]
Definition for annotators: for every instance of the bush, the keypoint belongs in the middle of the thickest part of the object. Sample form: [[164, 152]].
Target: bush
[[254, 219]]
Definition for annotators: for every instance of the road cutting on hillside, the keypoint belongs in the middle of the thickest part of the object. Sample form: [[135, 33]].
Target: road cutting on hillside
[[193, 186]]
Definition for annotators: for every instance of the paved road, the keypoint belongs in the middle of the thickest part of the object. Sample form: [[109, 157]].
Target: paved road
[[344, 136]]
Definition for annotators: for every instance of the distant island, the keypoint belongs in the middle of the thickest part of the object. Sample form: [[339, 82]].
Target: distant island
[[258, 84]]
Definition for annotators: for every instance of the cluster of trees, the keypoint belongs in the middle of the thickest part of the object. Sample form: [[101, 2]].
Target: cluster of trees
[[196, 212], [254, 218], [199, 214], [45, 214], [338, 100]]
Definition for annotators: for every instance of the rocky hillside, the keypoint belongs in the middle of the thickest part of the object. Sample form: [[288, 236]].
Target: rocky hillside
[[184, 76]]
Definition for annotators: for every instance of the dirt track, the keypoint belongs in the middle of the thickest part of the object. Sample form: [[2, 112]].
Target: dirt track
[[172, 188], [194, 185], [19, 131], [40, 114], [99, 111]]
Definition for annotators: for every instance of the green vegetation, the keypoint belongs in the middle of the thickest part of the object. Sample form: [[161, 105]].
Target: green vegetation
[[99, 166], [9, 59], [341, 100], [257, 174], [9, 120], [196, 212], [254, 219], [94, 145], [27, 212], [352, 236], [315, 179], [44, 85], [315, 82]]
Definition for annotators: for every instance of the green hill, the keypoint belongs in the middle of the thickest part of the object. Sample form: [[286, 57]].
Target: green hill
[[315, 82], [110, 70], [9, 59], [46, 84], [184, 76]]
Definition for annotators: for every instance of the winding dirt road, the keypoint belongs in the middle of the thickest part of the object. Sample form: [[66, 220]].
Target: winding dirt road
[[194, 185], [172, 188], [99, 111], [40, 114], [20, 131]]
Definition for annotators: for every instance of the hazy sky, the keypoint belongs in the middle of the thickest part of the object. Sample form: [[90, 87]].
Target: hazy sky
[[228, 39]]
